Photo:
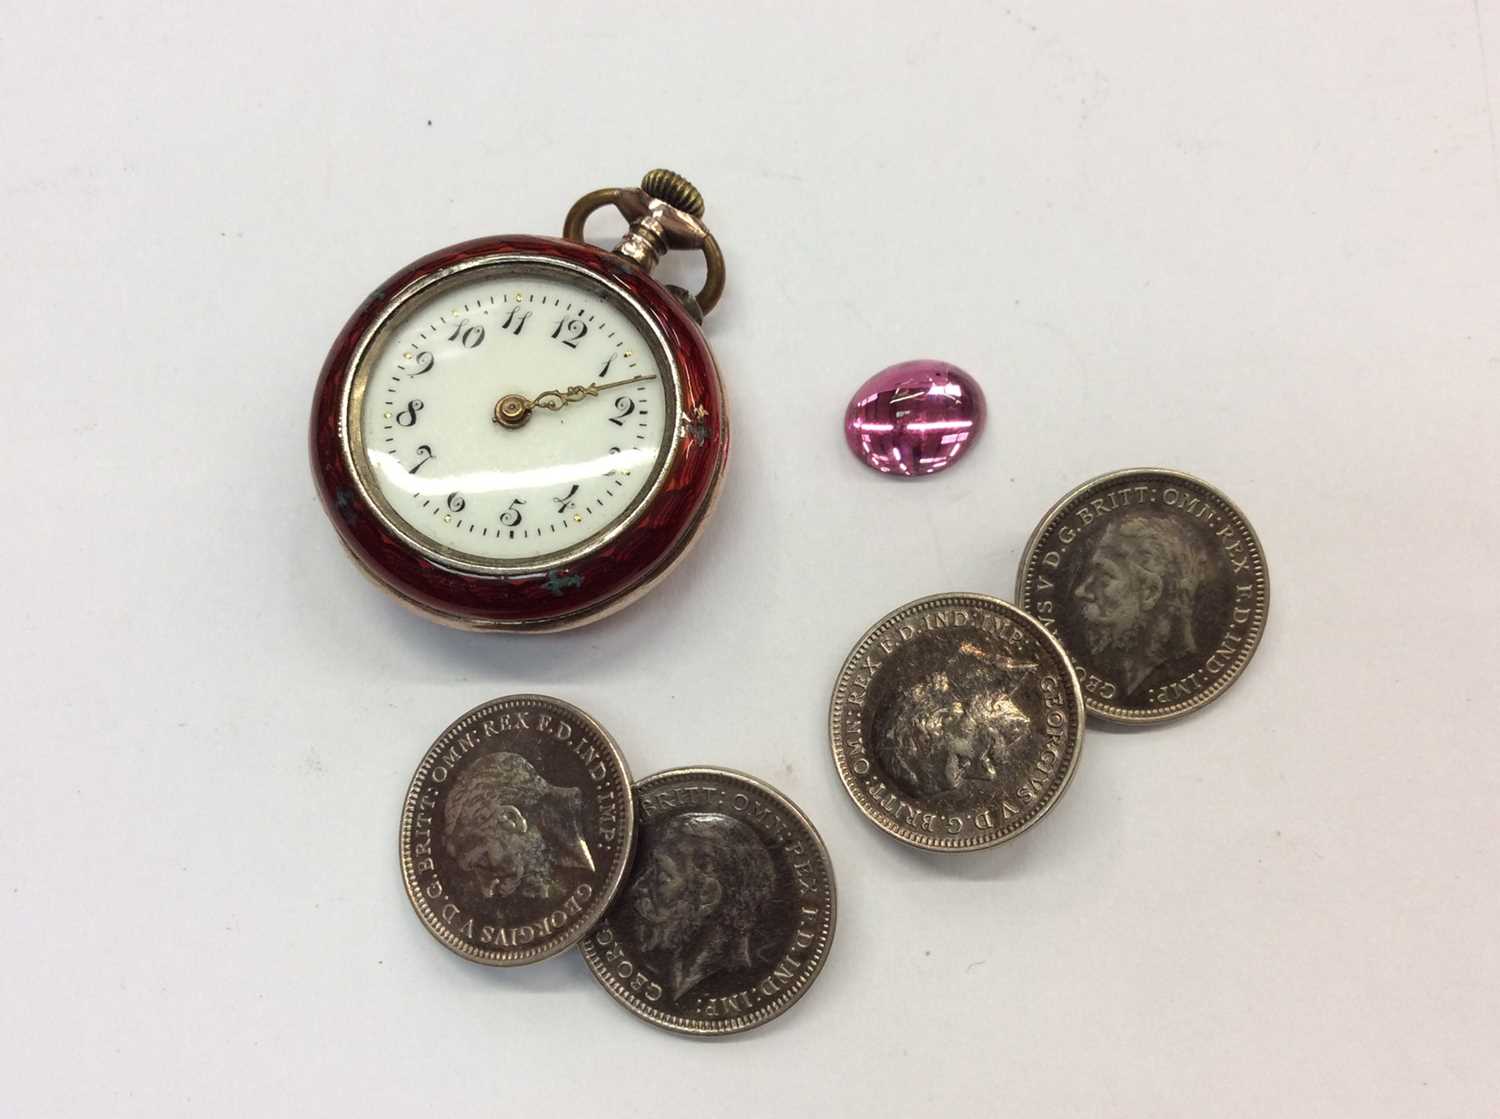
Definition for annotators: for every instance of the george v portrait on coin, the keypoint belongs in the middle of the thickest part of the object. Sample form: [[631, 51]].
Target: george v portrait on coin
[[1156, 585], [518, 830], [1137, 595], [948, 728], [509, 831], [956, 722], [729, 911], [698, 895]]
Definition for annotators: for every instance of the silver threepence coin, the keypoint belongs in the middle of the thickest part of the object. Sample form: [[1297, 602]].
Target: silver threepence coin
[[956, 722], [518, 829], [730, 908], [1157, 587]]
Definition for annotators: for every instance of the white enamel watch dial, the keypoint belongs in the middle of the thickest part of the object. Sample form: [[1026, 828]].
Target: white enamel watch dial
[[513, 417]]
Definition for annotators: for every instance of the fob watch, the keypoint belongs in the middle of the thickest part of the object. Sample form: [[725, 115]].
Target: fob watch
[[525, 433]]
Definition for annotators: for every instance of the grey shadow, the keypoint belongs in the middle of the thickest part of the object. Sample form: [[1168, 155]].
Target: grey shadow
[[566, 971]]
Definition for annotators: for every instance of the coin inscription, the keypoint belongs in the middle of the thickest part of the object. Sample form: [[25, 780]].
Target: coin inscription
[[730, 907], [517, 830], [956, 722], [1157, 587]]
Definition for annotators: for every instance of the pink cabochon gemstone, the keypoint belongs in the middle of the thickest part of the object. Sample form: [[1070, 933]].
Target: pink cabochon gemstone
[[914, 418]]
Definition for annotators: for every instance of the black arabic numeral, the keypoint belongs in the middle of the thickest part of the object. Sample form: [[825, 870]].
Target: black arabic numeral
[[623, 405], [565, 502], [467, 336], [407, 417], [512, 516], [426, 452], [456, 502], [576, 330], [611, 473], [515, 320], [599, 375], [424, 363]]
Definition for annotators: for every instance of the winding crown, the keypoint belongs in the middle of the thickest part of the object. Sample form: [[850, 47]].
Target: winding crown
[[674, 190]]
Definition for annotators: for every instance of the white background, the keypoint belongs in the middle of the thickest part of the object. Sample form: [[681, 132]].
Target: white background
[[1259, 242]]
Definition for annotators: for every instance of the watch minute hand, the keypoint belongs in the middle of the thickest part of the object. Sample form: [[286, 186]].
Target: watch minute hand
[[513, 409], [553, 399]]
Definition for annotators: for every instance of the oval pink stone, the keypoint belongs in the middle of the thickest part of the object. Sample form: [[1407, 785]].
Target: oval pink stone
[[917, 417]]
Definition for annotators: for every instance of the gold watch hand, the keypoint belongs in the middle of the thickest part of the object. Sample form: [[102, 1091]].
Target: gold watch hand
[[559, 397], [514, 409]]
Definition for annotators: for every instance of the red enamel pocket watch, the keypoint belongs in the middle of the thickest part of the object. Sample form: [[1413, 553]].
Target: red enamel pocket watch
[[526, 433]]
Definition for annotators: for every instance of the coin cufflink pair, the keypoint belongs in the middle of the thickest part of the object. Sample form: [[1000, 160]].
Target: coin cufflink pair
[[957, 720], [703, 900]]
